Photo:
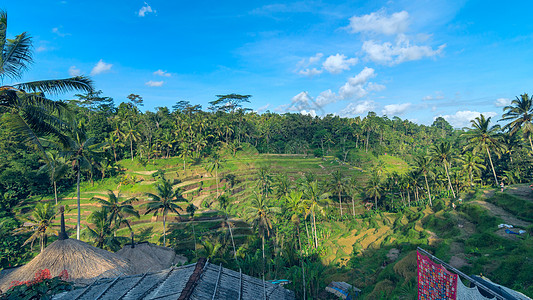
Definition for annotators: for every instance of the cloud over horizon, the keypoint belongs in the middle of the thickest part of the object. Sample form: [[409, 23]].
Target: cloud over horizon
[[101, 67]]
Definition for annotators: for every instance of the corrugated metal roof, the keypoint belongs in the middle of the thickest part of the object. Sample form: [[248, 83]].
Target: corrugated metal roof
[[209, 282]]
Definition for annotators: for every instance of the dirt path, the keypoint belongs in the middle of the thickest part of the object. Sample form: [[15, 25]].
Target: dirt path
[[507, 217], [521, 190]]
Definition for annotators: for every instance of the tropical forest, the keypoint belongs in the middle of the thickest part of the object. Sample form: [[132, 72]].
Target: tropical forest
[[278, 196]]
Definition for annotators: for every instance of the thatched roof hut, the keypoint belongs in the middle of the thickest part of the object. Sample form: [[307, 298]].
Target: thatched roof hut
[[147, 257], [81, 260]]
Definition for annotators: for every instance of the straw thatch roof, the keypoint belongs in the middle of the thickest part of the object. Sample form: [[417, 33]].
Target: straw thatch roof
[[147, 257], [81, 260]]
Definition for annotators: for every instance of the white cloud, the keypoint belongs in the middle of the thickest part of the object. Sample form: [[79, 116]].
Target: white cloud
[[462, 118], [357, 108], [355, 86], [263, 108], [338, 63], [303, 65], [376, 87], [326, 97], [154, 83], [101, 67], [310, 72], [438, 96], [501, 102], [380, 22], [401, 51], [42, 49], [59, 33], [162, 73], [146, 9], [395, 109], [311, 113], [73, 71]]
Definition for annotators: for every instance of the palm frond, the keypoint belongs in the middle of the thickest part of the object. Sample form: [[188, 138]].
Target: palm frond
[[78, 83], [3, 28], [17, 56]]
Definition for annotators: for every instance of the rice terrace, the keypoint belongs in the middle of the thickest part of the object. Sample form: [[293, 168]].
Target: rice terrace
[[244, 150]]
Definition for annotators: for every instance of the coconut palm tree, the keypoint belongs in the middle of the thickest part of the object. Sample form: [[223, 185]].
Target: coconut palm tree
[[483, 137], [338, 186], [294, 203], [118, 210], [471, 164], [214, 164], [56, 168], [261, 213], [352, 190], [423, 165], [191, 209], [315, 200], [40, 223], [521, 113], [223, 201], [374, 188], [30, 113], [102, 231], [164, 201], [444, 154], [80, 149], [131, 133]]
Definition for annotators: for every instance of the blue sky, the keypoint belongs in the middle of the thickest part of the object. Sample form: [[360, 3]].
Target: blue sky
[[413, 59]]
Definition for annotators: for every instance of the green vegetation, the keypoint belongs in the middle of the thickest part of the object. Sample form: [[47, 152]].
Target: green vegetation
[[288, 196]]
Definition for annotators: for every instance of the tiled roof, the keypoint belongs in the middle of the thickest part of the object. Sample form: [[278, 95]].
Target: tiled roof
[[199, 281]]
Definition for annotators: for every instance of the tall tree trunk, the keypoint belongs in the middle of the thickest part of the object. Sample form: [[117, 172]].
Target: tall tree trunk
[[232, 240], [79, 206], [164, 230], [493, 171], [449, 180], [376, 202], [314, 228], [216, 179], [530, 142], [194, 238], [131, 148], [353, 206], [366, 144], [55, 191], [429, 192], [115, 154], [307, 231], [340, 202]]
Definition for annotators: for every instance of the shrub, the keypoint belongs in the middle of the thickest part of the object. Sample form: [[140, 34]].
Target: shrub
[[406, 267]]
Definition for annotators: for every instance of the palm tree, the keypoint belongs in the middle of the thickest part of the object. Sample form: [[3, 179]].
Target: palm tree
[[423, 165], [472, 164], [264, 181], [444, 154], [80, 149], [40, 223], [315, 200], [521, 112], [296, 206], [223, 201], [483, 137], [260, 213], [191, 209], [338, 186], [352, 189], [102, 231], [374, 188], [56, 168], [117, 210], [214, 163], [30, 113], [131, 133], [163, 202]]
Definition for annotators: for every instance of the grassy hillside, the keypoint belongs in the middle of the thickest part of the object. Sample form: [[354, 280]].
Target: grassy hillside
[[374, 251]]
